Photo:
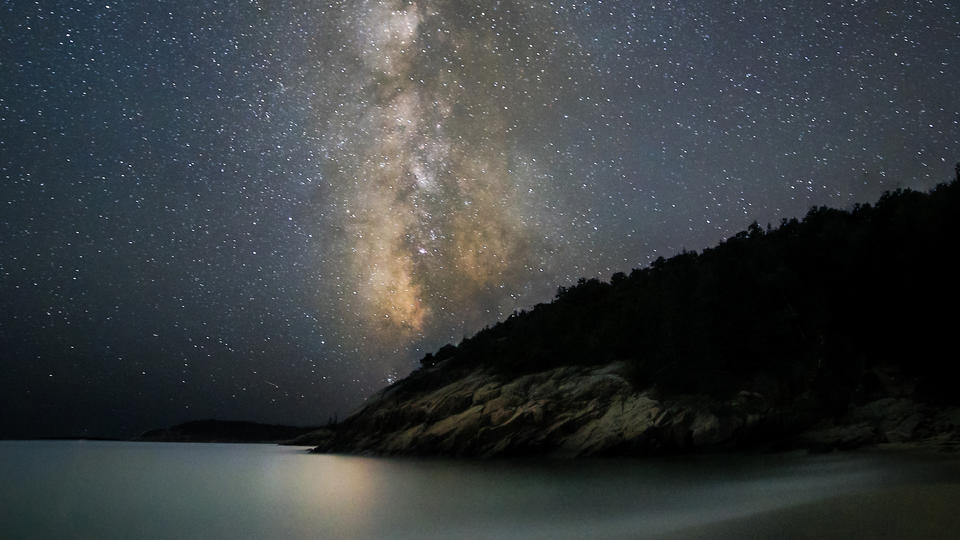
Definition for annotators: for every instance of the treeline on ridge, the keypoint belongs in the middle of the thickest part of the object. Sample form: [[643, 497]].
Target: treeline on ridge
[[813, 306]]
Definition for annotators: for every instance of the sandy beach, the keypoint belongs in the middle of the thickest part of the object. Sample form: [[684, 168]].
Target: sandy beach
[[926, 511]]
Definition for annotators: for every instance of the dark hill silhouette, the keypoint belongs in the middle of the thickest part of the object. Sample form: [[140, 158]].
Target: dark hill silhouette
[[835, 330], [813, 303], [224, 431]]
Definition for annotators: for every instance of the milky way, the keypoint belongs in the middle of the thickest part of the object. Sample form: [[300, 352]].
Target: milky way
[[440, 211], [268, 210]]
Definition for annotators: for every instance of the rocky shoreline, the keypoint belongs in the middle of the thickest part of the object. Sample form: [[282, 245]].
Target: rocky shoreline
[[581, 411]]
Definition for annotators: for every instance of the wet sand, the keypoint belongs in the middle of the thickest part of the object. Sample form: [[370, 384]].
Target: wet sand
[[928, 511]]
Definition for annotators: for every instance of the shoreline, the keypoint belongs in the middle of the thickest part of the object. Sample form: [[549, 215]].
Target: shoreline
[[923, 510]]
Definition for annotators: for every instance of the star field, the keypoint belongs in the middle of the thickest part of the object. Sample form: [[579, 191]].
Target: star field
[[269, 210]]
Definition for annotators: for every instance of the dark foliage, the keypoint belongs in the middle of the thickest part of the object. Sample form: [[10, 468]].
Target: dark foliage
[[810, 307]]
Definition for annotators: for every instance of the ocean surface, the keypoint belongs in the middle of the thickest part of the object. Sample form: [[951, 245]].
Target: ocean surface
[[83, 489]]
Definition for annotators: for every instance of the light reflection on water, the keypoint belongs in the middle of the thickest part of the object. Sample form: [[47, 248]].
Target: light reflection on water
[[55, 489]]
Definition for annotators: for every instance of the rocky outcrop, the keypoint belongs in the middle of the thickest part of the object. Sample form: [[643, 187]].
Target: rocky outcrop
[[567, 411], [579, 411], [891, 420]]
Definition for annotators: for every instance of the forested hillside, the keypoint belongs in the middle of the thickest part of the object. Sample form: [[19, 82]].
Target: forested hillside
[[817, 305]]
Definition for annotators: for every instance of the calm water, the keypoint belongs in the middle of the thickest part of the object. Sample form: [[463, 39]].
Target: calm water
[[67, 489]]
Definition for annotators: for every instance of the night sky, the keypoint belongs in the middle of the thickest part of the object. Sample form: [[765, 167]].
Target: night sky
[[268, 210]]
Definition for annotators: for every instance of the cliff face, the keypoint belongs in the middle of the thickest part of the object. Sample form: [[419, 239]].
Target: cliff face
[[577, 411]]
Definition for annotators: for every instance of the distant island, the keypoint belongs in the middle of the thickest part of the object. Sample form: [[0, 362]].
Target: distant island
[[834, 331], [222, 431]]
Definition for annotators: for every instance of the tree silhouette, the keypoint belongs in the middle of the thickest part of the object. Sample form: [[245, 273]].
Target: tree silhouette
[[812, 306]]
